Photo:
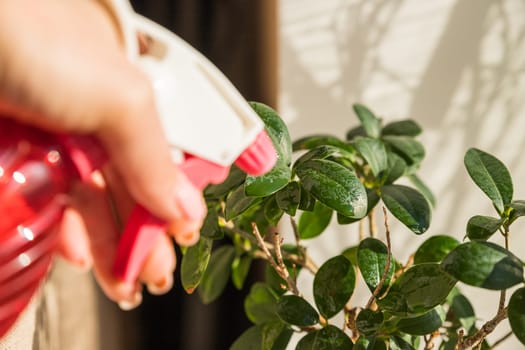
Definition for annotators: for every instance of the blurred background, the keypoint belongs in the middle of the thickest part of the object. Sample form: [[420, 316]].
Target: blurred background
[[455, 66]]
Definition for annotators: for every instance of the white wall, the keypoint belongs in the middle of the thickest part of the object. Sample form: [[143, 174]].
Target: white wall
[[455, 66]]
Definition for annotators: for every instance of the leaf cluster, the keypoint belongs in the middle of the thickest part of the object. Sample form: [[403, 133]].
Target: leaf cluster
[[322, 178]]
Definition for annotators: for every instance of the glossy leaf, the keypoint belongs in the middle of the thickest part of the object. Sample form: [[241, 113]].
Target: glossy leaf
[[372, 256], [434, 249], [516, 209], [418, 290], [296, 311], [370, 343], [289, 198], [422, 188], [217, 274], [276, 129], [238, 202], [491, 176], [482, 227], [374, 153], [398, 343], [369, 121], [335, 186], [309, 142], [423, 324], [250, 339], [261, 304], [406, 127], [408, 206], [325, 152], [412, 151], [484, 264], [269, 183], [461, 309], [368, 322], [372, 200], [313, 223], [516, 312], [334, 283], [210, 227], [234, 179], [327, 338], [307, 202], [272, 212], [355, 132], [396, 168], [194, 264], [275, 335], [240, 268]]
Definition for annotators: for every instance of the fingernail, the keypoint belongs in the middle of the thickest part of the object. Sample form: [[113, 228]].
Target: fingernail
[[187, 239], [190, 202], [127, 305], [161, 286]]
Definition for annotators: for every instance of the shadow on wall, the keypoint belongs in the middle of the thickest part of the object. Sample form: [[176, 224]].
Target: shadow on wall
[[456, 66]]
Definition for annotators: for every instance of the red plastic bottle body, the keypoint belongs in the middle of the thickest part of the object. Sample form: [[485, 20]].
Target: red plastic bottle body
[[34, 181]]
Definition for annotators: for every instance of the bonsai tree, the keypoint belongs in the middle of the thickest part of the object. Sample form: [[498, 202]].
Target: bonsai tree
[[412, 304]]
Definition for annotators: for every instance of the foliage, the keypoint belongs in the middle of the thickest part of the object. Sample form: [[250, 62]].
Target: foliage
[[413, 304]]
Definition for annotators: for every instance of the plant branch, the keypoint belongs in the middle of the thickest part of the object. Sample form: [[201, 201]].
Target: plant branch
[[502, 339], [485, 330], [372, 227], [278, 265], [387, 264]]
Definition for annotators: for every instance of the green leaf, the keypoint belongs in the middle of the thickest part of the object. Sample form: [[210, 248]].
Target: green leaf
[[251, 339], [419, 289], [351, 254], [277, 131], [296, 311], [372, 200], [374, 153], [484, 264], [516, 209], [335, 186], [370, 343], [423, 324], [326, 152], [240, 268], [210, 227], [327, 338], [313, 141], [235, 178], [272, 212], [237, 203], [313, 223], [461, 309], [412, 151], [194, 264], [517, 315], [491, 176], [396, 168], [288, 198], [482, 227], [372, 256], [217, 274], [406, 127], [370, 122], [434, 249], [334, 283], [368, 322], [398, 343], [275, 335], [261, 304], [269, 183], [355, 132], [408, 206], [307, 202], [423, 188]]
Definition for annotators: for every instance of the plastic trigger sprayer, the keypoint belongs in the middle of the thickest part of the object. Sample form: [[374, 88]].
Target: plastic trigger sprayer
[[205, 119]]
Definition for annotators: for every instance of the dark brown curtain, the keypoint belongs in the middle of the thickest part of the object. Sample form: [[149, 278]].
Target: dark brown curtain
[[239, 37]]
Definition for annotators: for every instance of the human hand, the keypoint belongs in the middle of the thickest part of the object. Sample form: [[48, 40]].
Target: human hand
[[63, 68]]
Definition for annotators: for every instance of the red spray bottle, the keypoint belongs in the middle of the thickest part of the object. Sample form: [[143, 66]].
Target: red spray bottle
[[204, 117]]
